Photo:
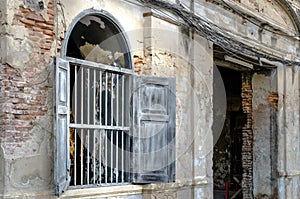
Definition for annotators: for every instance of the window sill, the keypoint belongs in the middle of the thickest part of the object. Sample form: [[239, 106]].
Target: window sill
[[111, 191]]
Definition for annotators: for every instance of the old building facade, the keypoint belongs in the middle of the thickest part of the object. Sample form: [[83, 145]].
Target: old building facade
[[149, 99]]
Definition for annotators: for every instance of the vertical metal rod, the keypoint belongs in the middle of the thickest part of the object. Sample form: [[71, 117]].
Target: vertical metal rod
[[111, 100], [94, 122], [122, 157], [122, 115], [111, 124], [111, 154], [75, 121], [117, 100], [105, 156], [117, 148], [123, 98], [106, 92], [100, 159], [75, 154], [117, 123], [81, 120], [88, 130], [100, 123], [100, 98]]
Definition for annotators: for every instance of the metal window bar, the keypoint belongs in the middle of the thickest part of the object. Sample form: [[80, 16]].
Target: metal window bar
[[81, 145], [100, 137], [122, 117], [88, 130], [75, 130], [94, 122]]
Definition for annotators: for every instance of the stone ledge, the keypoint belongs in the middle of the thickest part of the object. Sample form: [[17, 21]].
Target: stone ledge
[[123, 190]]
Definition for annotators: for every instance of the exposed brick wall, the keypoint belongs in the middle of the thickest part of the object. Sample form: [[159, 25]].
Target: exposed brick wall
[[41, 31], [24, 88], [138, 64], [247, 137], [273, 100]]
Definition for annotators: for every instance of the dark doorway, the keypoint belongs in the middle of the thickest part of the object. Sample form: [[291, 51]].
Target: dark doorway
[[227, 158]]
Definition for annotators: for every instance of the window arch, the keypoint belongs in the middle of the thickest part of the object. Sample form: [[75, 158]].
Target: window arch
[[99, 97], [95, 74], [104, 114], [97, 31]]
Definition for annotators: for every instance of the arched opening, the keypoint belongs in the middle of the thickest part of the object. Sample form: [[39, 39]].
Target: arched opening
[[98, 38], [100, 69]]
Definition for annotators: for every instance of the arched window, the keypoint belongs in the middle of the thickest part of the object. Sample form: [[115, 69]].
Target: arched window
[[97, 143], [99, 123]]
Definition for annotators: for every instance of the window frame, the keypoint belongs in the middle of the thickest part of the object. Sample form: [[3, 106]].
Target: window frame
[[63, 186]]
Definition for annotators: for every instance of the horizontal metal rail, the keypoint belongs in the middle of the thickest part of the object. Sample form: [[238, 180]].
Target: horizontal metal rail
[[99, 66], [100, 127]]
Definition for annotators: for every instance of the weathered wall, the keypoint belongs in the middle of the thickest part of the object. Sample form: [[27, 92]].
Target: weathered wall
[[170, 52], [2, 32], [264, 130], [26, 127], [252, 34], [31, 43], [247, 136], [29, 40], [288, 131]]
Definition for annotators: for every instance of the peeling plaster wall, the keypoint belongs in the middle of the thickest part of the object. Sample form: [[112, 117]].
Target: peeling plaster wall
[[26, 98], [31, 43], [2, 32], [29, 39], [288, 131], [250, 33], [171, 52], [264, 131]]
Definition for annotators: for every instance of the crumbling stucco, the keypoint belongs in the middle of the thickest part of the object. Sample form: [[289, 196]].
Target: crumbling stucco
[[264, 153], [30, 36]]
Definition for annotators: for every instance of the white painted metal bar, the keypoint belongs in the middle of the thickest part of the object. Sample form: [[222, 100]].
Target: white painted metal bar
[[117, 124], [81, 157], [94, 122], [111, 155], [122, 115], [100, 123], [122, 157], [92, 126], [99, 66], [75, 156], [106, 93], [88, 130], [100, 99], [75, 121], [100, 159], [111, 124], [106, 103], [111, 100], [117, 100], [117, 156], [81, 137], [123, 96], [105, 156]]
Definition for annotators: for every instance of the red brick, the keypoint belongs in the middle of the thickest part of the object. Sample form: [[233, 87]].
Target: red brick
[[27, 21], [50, 12], [36, 29], [35, 38], [44, 26], [49, 32], [50, 22], [35, 17]]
